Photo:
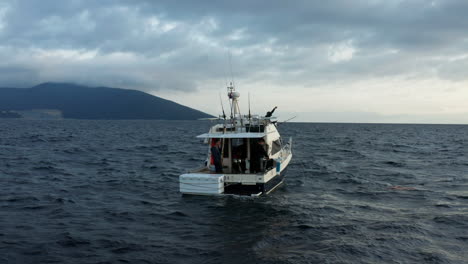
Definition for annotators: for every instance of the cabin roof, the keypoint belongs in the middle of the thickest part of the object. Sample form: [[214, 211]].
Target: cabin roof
[[232, 135]]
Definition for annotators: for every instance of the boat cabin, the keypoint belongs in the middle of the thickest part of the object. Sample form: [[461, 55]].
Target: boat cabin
[[240, 146], [242, 164]]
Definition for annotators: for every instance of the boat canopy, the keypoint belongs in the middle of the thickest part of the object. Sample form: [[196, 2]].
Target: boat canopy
[[232, 135]]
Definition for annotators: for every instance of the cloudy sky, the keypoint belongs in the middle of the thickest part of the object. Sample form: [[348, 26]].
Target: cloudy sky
[[332, 61]]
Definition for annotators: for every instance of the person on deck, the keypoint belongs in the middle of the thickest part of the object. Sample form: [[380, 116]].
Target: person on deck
[[238, 158], [258, 152], [216, 154]]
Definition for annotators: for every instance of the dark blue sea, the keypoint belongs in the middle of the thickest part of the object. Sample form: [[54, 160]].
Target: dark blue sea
[[107, 192]]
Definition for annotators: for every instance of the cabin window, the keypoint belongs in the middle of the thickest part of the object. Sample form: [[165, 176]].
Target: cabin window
[[239, 148], [276, 146], [221, 129], [255, 128]]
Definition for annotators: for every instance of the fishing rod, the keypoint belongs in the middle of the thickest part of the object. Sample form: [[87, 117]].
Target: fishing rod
[[224, 130], [287, 120], [222, 107]]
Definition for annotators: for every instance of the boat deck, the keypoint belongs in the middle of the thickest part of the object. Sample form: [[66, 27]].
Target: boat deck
[[206, 170]]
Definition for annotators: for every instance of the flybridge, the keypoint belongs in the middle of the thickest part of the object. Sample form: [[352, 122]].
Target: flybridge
[[246, 155]]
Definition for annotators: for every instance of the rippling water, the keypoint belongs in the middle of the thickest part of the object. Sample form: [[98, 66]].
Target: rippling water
[[107, 192]]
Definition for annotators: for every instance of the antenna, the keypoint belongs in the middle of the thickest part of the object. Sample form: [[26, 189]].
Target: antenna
[[230, 68], [226, 83], [249, 108]]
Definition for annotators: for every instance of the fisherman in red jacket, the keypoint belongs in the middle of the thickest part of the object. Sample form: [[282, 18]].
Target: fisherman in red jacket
[[216, 154]]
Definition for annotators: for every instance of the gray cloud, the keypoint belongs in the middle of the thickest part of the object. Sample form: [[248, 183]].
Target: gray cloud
[[179, 45], [17, 76]]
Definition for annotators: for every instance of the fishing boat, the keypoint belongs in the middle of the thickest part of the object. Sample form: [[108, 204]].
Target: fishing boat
[[253, 156]]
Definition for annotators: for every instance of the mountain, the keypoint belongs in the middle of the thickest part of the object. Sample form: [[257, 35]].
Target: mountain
[[82, 102]]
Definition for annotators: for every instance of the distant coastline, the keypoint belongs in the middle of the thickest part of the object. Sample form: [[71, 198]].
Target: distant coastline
[[71, 101]]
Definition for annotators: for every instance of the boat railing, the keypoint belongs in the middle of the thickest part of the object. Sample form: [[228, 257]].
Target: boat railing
[[287, 148]]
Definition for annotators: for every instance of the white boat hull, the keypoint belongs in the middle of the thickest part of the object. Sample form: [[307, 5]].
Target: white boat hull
[[237, 184]]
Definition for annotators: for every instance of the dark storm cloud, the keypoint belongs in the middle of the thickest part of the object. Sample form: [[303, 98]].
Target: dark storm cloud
[[178, 44]]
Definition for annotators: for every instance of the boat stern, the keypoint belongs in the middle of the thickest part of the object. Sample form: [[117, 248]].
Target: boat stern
[[201, 184]]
